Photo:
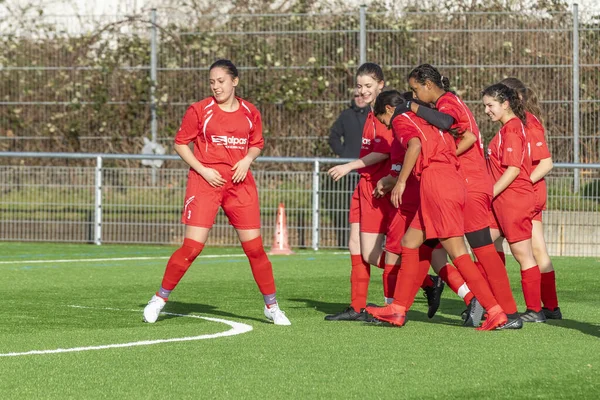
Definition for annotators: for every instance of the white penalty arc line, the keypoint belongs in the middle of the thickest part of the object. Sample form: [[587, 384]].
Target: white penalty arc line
[[139, 258], [237, 328]]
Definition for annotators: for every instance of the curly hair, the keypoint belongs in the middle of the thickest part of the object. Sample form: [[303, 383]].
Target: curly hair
[[501, 93], [529, 97]]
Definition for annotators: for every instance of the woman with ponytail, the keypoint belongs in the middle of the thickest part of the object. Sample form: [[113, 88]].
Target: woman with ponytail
[[453, 115], [513, 206], [542, 164]]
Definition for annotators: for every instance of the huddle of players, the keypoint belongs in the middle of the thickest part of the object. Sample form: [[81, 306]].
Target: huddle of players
[[426, 184]]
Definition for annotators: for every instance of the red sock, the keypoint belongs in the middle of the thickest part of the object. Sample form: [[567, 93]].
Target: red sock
[[410, 276], [359, 282], [502, 257], [455, 281], [390, 275], [481, 270], [495, 271], [475, 281], [179, 263], [427, 282], [531, 281], [549, 297], [381, 261], [262, 270]]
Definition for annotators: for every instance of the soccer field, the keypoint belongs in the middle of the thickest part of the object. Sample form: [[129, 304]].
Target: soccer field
[[87, 300]]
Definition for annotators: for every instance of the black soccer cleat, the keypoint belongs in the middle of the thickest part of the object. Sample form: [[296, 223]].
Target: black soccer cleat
[[552, 314], [350, 315], [514, 322], [434, 295], [533, 316], [474, 313]]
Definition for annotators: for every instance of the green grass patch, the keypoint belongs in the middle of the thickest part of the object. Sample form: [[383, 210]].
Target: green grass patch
[[311, 359]]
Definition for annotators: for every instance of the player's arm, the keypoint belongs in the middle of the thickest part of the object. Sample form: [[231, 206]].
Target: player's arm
[[340, 171], [467, 139], [542, 169], [211, 176], [410, 160], [436, 118], [506, 179], [188, 132]]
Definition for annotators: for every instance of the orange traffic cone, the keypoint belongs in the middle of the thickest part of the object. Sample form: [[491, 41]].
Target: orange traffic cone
[[280, 239]]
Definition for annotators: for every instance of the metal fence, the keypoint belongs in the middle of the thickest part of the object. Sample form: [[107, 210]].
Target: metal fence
[[88, 84], [106, 204]]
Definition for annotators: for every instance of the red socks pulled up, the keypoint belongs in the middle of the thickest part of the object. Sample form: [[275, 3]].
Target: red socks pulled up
[[262, 270], [359, 282], [476, 281], [549, 297], [497, 277], [179, 263], [531, 281]]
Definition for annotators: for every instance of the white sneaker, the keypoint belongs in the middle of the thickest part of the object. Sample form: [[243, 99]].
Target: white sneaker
[[154, 307], [275, 314]]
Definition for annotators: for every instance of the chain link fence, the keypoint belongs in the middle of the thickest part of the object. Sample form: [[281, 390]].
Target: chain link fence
[[97, 84]]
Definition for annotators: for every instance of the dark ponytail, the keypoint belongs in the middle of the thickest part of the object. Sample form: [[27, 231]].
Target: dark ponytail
[[371, 69], [501, 93], [529, 97], [391, 98], [427, 72], [226, 65]]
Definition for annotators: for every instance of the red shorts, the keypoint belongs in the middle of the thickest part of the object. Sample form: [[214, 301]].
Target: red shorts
[[541, 194], [370, 212], [443, 197], [239, 201], [512, 215], [537, 216], [399, 222], [478, 210]]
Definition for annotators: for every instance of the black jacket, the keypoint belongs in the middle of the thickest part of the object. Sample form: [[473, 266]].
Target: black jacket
[[348, 126]]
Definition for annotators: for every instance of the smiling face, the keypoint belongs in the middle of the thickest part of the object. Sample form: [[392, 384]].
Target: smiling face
[[424, 92], [495, 110], [368, 88], [222, 84]]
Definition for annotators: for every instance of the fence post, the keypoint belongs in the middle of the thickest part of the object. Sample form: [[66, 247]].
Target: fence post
[[98, 203], [315, 202], [153, 77], [363, 34], [576, 96]]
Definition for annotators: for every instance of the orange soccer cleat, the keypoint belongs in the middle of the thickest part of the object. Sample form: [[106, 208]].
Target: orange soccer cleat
[[392, 313]]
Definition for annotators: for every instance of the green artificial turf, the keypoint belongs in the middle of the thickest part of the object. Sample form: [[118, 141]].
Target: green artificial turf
[[312, 359]]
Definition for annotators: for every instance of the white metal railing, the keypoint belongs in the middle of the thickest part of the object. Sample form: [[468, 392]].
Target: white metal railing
[[104, 204]]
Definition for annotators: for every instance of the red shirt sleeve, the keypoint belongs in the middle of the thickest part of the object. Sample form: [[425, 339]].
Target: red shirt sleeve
[[256, 132], [190, 127], [405, 130], [539, 147], [512, 149]]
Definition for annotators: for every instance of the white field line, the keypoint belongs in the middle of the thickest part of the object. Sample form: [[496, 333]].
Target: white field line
[[237, 328], [141, 258]]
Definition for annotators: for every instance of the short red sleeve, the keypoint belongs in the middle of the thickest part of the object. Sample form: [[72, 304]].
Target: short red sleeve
[[512, 149], [539, 150], [190, 127], [256, 136], [405, 130], [448, 108]]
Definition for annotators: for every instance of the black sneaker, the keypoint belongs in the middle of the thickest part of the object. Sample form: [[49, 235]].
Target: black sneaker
[[350, 315], [552, 314], [473, 314], [514, 322], [434, 295], [533, 316]]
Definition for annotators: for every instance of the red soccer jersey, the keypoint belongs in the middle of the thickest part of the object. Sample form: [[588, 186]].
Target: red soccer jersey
[[537, 140], [472, 161], [436, 146], [509, 148], [376, 138], [221, 137], [411, 195]]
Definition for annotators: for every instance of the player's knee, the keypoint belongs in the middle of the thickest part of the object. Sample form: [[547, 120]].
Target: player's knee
[[254, 248], [191, 249], [479, 238]]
